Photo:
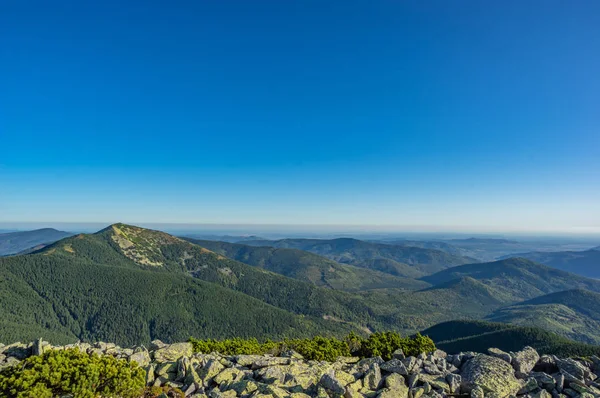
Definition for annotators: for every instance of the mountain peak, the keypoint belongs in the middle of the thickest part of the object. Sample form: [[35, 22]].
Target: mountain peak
[[140, 244]]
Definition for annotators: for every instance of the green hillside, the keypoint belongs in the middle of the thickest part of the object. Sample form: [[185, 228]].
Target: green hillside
[[65, 299], [517, 278], [403, 260], [573, 313], [585, 263], [478, 336], [464, 298], [130, 285], [306, 266]]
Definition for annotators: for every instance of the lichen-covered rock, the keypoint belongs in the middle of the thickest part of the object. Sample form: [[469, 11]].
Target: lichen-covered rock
[[492, 375], [142, 357], [332, 385], [173, 352], [373, 377], [394, 366], [523, 361], [454, 382], [498, 353]]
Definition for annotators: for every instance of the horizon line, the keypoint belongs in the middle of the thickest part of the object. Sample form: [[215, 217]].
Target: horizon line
[[389, 228]]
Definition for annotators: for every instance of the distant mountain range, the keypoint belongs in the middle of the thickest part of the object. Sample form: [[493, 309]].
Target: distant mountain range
[[310, 267], [15, 242], [405, 261], [586, 263], [460, 335], [573, 313], [517, 278], [131, 285]]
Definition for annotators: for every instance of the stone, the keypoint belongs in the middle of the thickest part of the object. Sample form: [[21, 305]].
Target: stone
[[372, 378], [530, 385], [542, 394], [142, 358], [572, 370], [173, 352], [209, 371], [243, 387], [454, 382], [228, 375], [264, 362], [38, 347], [523, 361], [477, 392], [492, 375], [167, 367], [394, 366], [498, 353], [546, 364], [398, 354], [394, 380], [393, 393], [247, 360], [332, 385], [559, 380]]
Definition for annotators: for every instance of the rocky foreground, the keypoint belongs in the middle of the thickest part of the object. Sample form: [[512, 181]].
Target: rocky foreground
[[495, 374]]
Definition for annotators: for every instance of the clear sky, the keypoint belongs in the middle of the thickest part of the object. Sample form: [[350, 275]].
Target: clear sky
[[438, 114]]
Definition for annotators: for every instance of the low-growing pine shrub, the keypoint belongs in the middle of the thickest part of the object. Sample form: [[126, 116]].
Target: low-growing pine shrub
[[72, 372], [322, 348]]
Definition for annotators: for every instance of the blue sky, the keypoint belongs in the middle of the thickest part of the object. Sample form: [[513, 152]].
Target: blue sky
[[436, 114]]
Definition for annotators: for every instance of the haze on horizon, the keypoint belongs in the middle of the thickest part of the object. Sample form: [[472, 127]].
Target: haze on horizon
[[478, 117]]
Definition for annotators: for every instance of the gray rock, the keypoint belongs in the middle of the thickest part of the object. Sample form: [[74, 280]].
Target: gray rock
[[571, 369], [454, 382], [332, 385], [477, 392], [173, 352], [523, 361], [398, 354], [498, 353], [141, 357], [372, 378], [492, 375], [394, 366]]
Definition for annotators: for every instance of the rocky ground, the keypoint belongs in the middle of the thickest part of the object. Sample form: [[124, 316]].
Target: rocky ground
[[494, 374]]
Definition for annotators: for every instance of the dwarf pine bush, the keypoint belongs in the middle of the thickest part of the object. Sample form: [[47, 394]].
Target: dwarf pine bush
[[322, 348], [72, 372]]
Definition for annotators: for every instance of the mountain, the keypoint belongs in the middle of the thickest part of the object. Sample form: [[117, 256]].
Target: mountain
[[586, 263], [131, 285], [392, 259], [517, 278], [478, 336], [573, 313], [306, 266], [425, 244], [225, 238], [15, 242]]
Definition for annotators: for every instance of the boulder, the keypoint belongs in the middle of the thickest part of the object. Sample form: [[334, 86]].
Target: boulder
[[394, 366], [141, 357], [173, 352], [498, 353], [372, 378], [332, 385], [491, 375], [523, 361]]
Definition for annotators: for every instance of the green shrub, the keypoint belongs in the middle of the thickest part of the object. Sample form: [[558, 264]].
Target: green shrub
[[235, 346], [384, 344], [322, 348], [65, 372], [318, 348]]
